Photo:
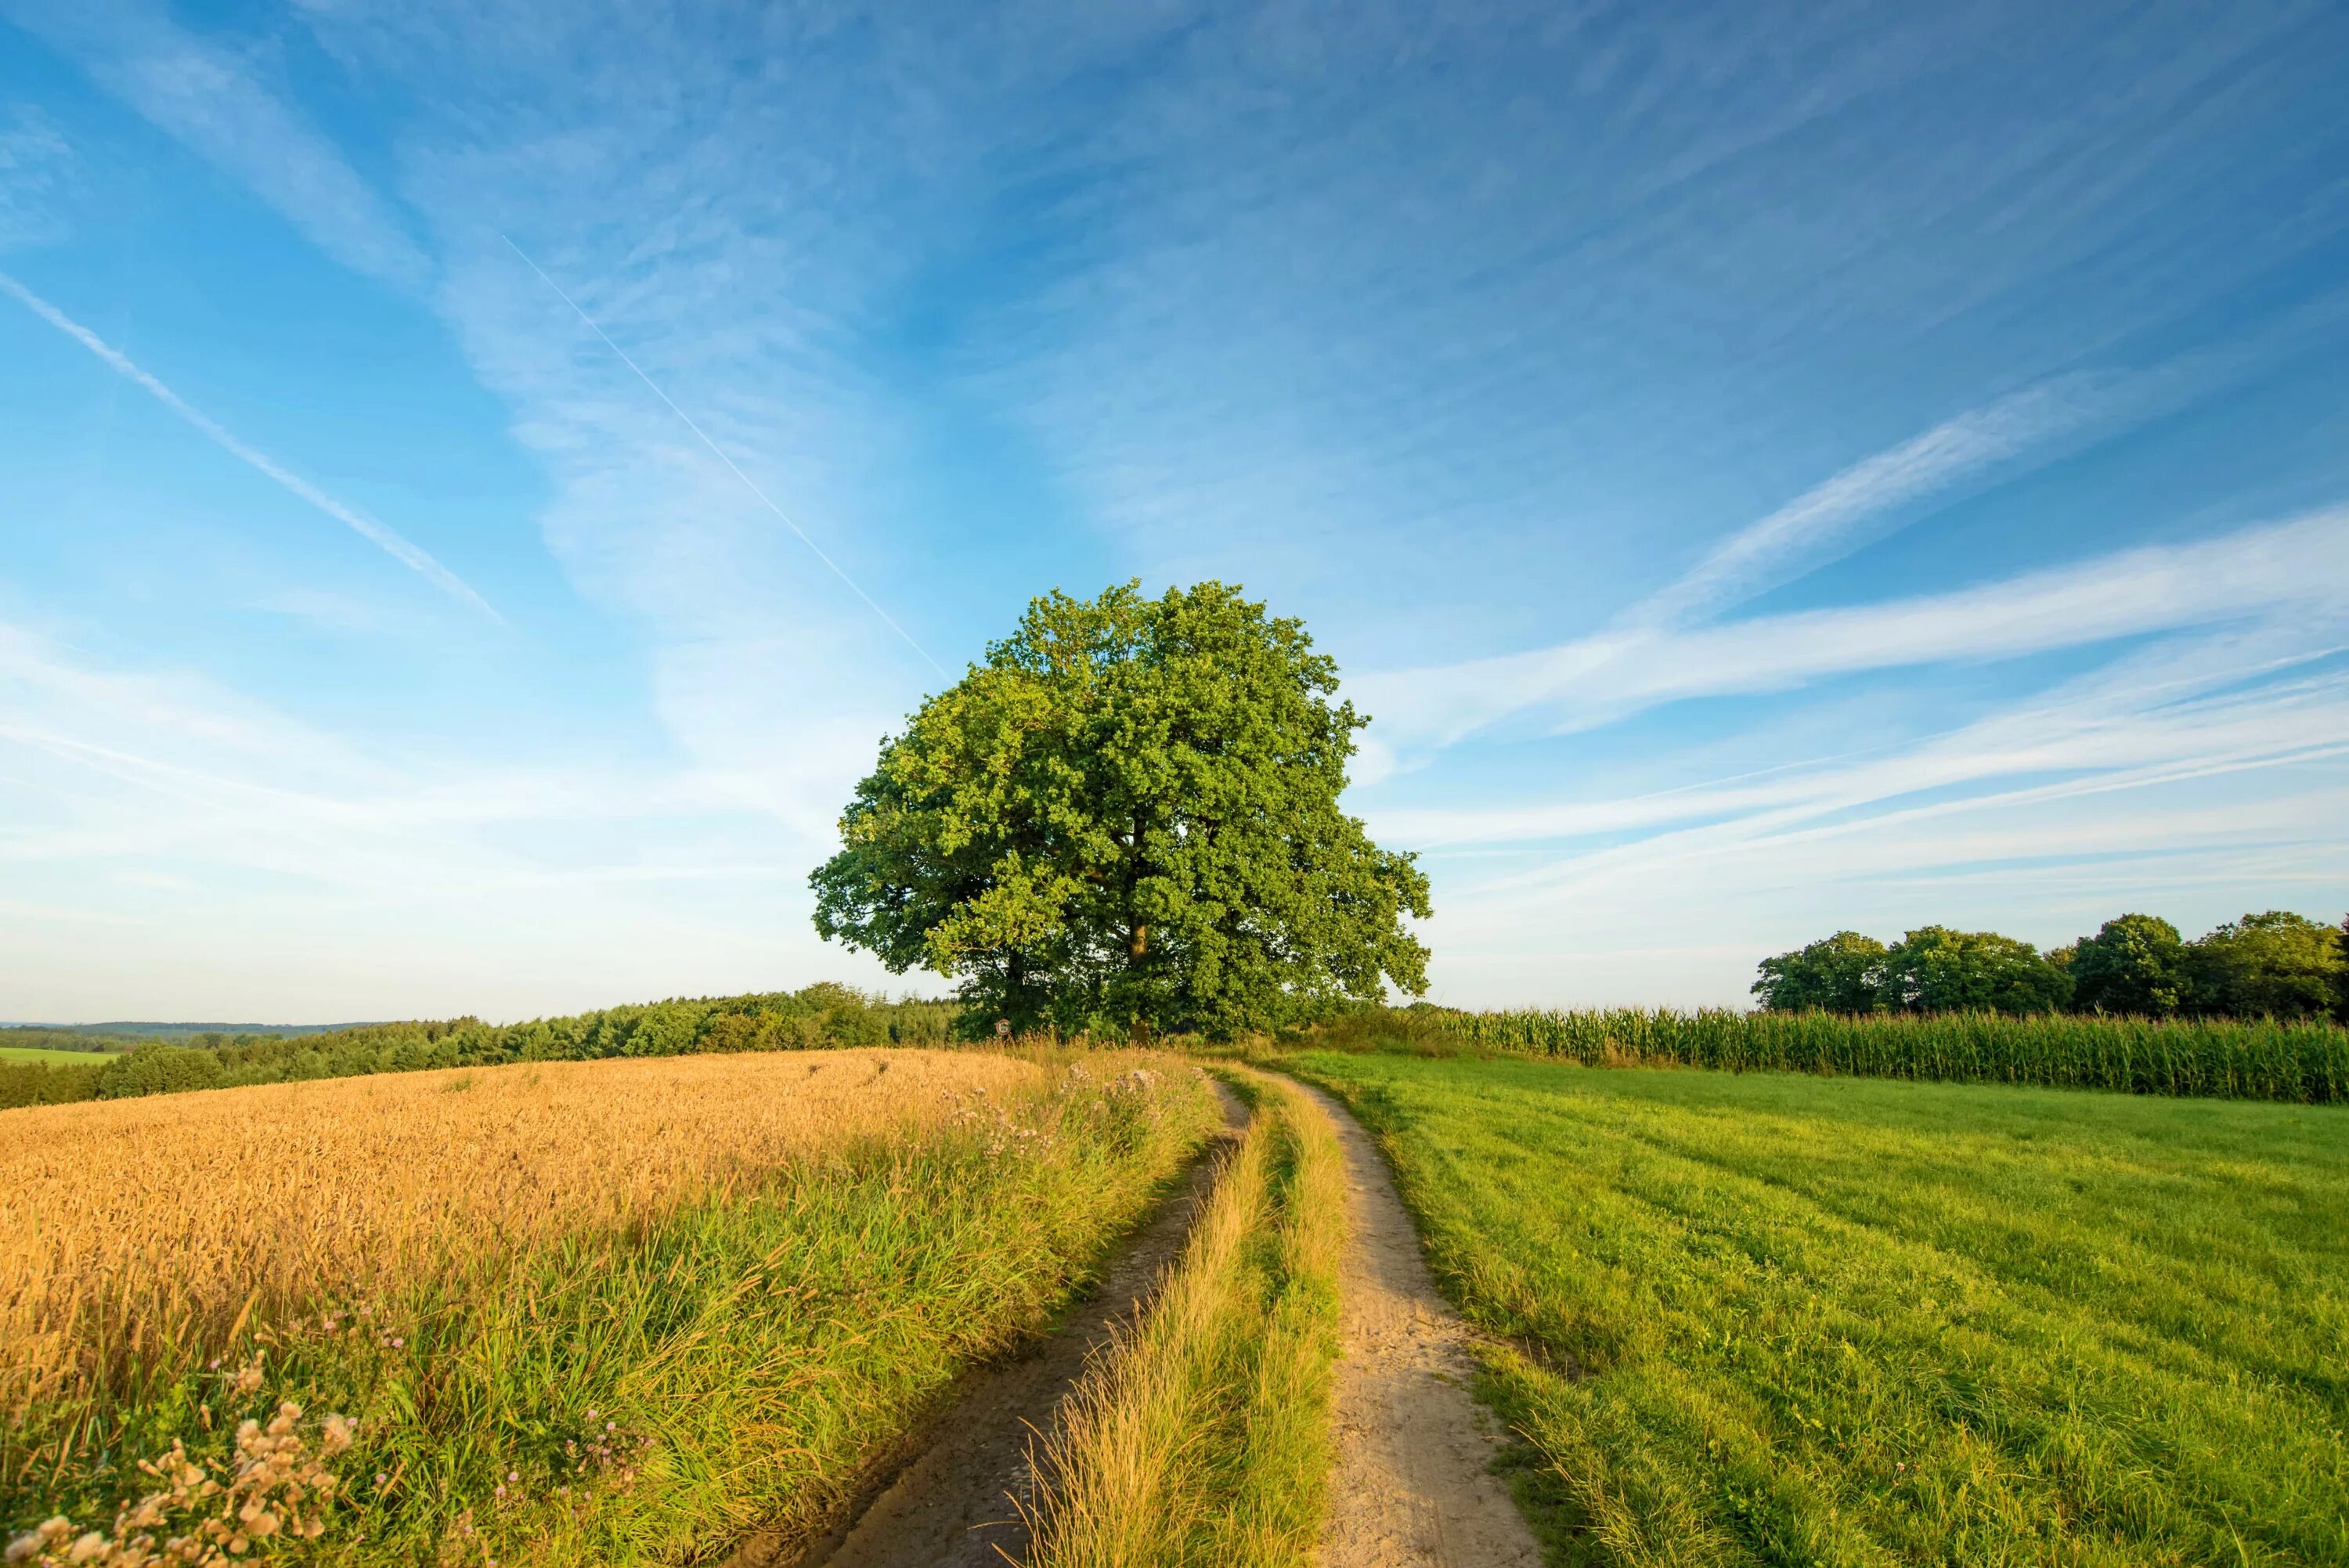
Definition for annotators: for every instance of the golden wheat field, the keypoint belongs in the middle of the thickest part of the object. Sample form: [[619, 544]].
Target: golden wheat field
[[141, 1231]]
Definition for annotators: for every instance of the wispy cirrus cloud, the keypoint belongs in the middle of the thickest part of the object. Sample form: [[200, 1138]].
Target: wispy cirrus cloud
[[2196, 766], [1837, 516], [386, 539], [149, 799], [2219, 701], [36, 162], [217, 99], [2285, 567]]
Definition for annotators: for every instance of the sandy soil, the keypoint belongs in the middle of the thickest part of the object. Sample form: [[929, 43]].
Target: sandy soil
[[1413, 1484], [954, 1502]]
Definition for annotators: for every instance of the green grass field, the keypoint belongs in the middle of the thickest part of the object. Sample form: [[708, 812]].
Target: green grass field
[[1780, 1319], [55, 1058]]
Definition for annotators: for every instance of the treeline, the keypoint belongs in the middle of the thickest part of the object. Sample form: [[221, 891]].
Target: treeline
[[821, 1016], [2305, 1060], [41, 1038], [2277, 965]]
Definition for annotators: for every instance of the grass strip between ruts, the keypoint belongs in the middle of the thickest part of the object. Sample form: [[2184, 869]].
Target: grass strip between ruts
[[1203, 1438]]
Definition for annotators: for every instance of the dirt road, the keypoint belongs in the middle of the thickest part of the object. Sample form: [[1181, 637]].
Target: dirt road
[[1411, 1488]]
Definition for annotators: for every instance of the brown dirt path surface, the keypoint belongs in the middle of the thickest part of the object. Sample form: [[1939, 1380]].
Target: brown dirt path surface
[[956, 1501], [1413, 1484]]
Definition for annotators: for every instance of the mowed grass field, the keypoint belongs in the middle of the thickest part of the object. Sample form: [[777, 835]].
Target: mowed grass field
[[583, 1313], [49, 1059], [1786, 1319]]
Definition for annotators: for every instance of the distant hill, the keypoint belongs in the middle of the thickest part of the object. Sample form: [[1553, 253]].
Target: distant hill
[[117, 1037]]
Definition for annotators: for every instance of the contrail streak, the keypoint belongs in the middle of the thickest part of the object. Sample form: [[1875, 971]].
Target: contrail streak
[[358, 522], [366, 527], [748, 482]]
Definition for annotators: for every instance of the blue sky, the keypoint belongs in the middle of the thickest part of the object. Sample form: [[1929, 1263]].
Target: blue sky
[[478, 480]]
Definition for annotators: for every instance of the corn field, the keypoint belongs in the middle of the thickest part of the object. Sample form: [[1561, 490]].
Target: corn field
[[2223, 1059]]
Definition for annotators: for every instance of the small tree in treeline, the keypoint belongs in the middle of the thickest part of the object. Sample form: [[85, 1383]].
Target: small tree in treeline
[[1127, 819], [1835, 975], [2135, 964], [2276, 965]]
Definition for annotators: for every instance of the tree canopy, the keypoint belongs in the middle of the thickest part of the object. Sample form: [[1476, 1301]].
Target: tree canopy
[[1936, 970], [1127, 817], [2278, 964], [2135, 964], [1835, 975]]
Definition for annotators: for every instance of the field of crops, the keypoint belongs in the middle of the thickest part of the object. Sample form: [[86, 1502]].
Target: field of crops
[[591, 1312], [2224, 1057], [1772, 1318]]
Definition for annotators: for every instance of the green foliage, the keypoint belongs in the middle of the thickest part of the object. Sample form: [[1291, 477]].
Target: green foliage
[[2225, 1058], [41, 1038], [122, 1037], [819, 1016], [2341, 971], [159, 1067], [1938, 970], [2273, 965], [2135, 964], [1128, 817], [40, 1083], [1775, 1320], [1836, 974]]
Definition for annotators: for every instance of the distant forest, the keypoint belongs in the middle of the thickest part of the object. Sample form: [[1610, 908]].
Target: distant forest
[[2275, 965], [126, 1036], [820, 1015]]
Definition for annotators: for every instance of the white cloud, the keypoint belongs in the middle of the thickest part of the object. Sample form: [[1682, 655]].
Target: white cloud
[[261, 869], [216, 100], [36, 164], [2300, 567], [1837, 516], [2173, 778]]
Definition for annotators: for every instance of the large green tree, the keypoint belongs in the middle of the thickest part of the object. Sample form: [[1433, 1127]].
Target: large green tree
[[1936, 970], [1836, 974], [2135, 964], [1127, 818]]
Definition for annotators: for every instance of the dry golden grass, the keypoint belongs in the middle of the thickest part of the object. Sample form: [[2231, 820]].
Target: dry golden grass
[[137, 1234], [1203, 1440]]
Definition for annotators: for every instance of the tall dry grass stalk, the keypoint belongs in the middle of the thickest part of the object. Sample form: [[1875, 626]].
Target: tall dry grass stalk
[[1203, 1436], [137, 1236]]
